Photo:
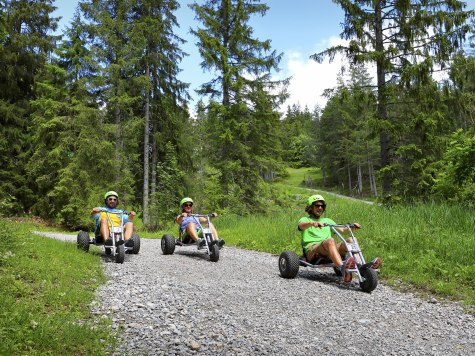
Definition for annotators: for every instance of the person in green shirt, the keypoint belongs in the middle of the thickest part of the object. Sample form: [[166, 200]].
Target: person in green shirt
[[317, 238]]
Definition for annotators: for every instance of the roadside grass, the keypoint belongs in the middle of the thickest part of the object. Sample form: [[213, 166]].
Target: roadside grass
[[46, 288], [426, 248]]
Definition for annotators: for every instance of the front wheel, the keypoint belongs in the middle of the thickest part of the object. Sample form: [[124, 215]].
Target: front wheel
[[288, 264], [136, 239], [370, 280], [168, 244], [120, 255], [83, 241], [214, 253]]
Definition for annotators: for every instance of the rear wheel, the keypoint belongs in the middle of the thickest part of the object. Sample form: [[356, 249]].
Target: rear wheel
[[214, 253], [370, 280], [288, 264], [120, 256], [168, 244], [83, 241]]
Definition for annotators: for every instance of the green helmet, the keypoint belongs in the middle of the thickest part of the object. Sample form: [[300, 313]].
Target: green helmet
[[109, 193], [312, 199], [186, 200]]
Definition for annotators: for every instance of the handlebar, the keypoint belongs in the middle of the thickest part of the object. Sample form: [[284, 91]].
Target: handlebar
[[346, 226], [204, 215], [120, 212]]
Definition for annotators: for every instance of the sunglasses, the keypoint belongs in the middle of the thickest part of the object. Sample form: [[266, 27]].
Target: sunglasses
[[111, 199], [187, 205], [319, 205]]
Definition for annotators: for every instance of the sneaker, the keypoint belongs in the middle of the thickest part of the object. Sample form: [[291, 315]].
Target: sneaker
[[201, 243], [108, 242], [348, 264], [129, 243], [376, 263], [220, 243]]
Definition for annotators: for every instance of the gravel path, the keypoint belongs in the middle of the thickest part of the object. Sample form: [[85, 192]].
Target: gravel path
[[183, 304]]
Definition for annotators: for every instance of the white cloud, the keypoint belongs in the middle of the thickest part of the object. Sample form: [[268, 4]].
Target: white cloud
[[309, 78]]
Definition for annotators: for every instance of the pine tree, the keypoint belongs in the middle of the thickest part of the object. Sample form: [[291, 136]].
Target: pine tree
[[24, 50], [405, 40], [247, 108], [165, 95]]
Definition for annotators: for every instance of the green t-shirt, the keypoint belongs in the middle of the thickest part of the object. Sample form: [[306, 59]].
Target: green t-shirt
[[315, 234]]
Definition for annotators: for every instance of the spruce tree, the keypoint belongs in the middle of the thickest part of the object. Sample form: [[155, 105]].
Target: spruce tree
[[406, 41], [26, 43], [242, 105]]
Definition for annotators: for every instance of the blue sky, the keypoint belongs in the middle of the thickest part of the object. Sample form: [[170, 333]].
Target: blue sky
[[297, 28]]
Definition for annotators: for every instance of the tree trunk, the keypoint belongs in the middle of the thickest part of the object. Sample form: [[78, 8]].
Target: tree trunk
[[118, 143], [153, 223], [382, 99], [360, 179], [349, 178], [146, 153]]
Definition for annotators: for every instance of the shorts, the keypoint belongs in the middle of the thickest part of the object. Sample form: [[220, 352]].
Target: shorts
[[186, 238], [318, 249]]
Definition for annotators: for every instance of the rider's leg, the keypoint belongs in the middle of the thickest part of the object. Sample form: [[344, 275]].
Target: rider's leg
[[329, 249], [128, 230], [341, 247], [191, 230], [215, 232], [104, 229]]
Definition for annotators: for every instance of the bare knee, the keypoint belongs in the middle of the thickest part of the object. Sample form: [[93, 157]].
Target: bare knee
[[129, 226], [190, 227], [329, 243]]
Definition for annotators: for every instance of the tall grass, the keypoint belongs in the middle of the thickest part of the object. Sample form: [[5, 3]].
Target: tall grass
[[430, 246], [46, 288]]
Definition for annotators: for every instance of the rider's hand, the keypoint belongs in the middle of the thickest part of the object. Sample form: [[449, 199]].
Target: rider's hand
[[132, 214], [184, 215], [213, 215], [95, 210], [317, 224], [357, 226]]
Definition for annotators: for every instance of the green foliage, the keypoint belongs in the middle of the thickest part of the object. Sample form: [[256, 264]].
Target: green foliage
[[346, 136], [236, 144], [167, 197], [298, 136], [394, 36], [456, 177], [48, 287], [25, 45]]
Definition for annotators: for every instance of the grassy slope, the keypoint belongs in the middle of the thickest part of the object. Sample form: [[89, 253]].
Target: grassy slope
[[46, 288]]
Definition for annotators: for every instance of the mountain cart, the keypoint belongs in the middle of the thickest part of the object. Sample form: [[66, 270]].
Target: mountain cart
[[207, 244], [115, 245], [366, 272]]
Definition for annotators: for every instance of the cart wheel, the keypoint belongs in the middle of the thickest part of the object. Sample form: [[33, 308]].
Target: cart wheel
[[136, 239], [83, 241], [371, 280], [214, 253], [120, 256], [288, 264], [168, 244]]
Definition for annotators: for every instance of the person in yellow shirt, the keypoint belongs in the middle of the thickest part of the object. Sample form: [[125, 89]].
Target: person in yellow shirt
[[111, 199]]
